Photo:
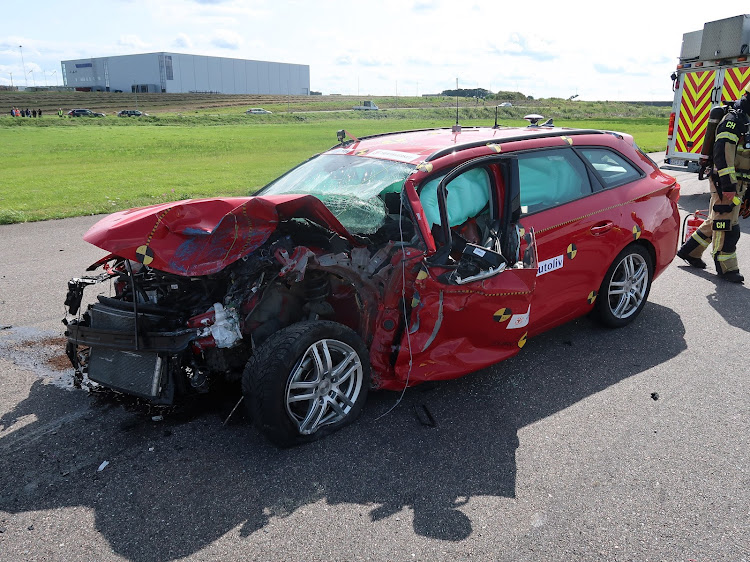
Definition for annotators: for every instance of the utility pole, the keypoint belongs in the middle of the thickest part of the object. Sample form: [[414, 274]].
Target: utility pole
[[23, 64]]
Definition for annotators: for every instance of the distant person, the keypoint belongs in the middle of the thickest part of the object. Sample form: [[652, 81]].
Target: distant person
[[59, 112], [39, 112], [28, 113], [33, 113]]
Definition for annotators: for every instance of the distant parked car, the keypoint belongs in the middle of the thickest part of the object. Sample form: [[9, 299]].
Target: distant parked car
[[85, 113], [257, 111], [366, 105], [506, 104], [131, 113]]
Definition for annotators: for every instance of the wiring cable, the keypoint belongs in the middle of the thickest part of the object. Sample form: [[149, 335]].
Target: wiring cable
[[403, 304]]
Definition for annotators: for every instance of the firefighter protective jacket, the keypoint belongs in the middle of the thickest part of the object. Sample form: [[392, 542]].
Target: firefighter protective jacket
[[732, 152]]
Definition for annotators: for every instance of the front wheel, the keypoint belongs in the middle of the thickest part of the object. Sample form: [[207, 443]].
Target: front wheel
[[625, 288], [307, 381]]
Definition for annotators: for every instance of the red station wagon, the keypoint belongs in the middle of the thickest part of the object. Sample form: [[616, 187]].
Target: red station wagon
[[385, 262]]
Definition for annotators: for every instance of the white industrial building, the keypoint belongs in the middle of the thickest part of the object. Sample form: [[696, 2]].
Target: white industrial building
[[178, 73]]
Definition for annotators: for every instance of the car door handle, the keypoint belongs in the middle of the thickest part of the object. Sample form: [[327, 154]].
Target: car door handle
[[602, 228]]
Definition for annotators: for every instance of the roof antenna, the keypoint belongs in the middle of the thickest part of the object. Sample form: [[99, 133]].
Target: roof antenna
[[533, 119], [456, 128]]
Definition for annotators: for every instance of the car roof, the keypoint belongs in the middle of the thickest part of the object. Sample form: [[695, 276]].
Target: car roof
[[430, 144]]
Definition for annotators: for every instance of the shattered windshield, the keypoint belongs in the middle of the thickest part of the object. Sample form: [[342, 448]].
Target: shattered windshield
[[352, 187]]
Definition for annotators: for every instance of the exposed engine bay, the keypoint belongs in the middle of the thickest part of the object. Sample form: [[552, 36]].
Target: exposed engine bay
[[158, 335]]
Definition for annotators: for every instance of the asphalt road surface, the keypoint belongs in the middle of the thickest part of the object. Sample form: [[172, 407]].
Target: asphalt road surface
[[591, 444]]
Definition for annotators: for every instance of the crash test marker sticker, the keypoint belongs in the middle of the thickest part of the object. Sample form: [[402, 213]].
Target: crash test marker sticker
[[144, 254], [519, 320]]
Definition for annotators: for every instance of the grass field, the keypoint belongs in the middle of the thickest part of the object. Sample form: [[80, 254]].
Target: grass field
[[55, 168]]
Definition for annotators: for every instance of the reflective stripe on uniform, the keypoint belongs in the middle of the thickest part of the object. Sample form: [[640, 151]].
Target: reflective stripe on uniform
[[718, 240], [702, 241], [726, 171], [731, 137], [726, 257], [736, 200]]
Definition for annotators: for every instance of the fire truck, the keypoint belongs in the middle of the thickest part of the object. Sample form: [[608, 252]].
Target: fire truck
[[712, 71]]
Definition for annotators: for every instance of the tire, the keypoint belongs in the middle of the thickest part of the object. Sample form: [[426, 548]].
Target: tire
[[625, 288], [306, 381]]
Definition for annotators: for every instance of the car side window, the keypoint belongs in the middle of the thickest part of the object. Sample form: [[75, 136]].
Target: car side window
[[549, 178], [612, 168], [468, 196]]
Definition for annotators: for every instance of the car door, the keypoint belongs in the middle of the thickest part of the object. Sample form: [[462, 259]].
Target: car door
[[579, 228], [470, 310]]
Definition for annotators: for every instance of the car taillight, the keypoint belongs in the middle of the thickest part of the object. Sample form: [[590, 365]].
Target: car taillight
[[670, 131], [674, 192]]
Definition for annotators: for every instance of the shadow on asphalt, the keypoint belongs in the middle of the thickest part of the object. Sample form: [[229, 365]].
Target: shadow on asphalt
[[722, 300], [173, 487]]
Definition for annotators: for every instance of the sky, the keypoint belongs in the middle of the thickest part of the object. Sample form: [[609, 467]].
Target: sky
[[597, 50]]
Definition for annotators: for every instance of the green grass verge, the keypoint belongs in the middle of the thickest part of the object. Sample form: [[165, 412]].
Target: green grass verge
[[55, 168]]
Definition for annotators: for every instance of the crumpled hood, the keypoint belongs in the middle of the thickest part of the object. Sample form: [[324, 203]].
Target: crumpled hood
[[203, 236]]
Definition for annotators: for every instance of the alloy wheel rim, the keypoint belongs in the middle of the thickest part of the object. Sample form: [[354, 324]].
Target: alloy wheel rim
[[324, 385], [627, 288]]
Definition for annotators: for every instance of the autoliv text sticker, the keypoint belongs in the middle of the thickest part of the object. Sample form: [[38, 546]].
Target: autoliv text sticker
[[550, 265]]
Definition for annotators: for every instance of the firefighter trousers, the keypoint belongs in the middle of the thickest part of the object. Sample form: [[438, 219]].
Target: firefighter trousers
[[724, 237]]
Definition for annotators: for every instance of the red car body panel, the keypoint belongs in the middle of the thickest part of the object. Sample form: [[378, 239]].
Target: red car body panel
[[203, 236], [460, 329]]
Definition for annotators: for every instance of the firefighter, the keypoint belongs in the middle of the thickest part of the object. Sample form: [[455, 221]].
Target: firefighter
[[730, 179]]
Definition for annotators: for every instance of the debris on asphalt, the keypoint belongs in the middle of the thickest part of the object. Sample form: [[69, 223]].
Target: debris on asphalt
[[424, 416], [102, 466]]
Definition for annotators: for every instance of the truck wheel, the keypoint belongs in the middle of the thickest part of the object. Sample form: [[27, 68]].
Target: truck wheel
[[306, 381], [625, 288]]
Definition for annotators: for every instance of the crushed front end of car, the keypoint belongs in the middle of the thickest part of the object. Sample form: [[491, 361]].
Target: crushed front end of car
[[182, 301]]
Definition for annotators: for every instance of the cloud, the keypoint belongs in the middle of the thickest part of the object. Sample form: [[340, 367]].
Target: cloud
[[371, 62], [423, 6], [630, 70], [605, 69], [182, 41], [228, 40], [132, 42], [529, 46], [343, 60]]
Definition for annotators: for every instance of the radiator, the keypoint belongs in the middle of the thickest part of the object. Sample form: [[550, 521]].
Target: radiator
[[140, 373]]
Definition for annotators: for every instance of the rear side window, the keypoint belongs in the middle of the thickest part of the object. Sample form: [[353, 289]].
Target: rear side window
[[612, 169], [549, 178]]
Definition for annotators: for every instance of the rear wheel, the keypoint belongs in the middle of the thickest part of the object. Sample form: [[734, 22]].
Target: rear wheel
[[625, 288], [307, 381]]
